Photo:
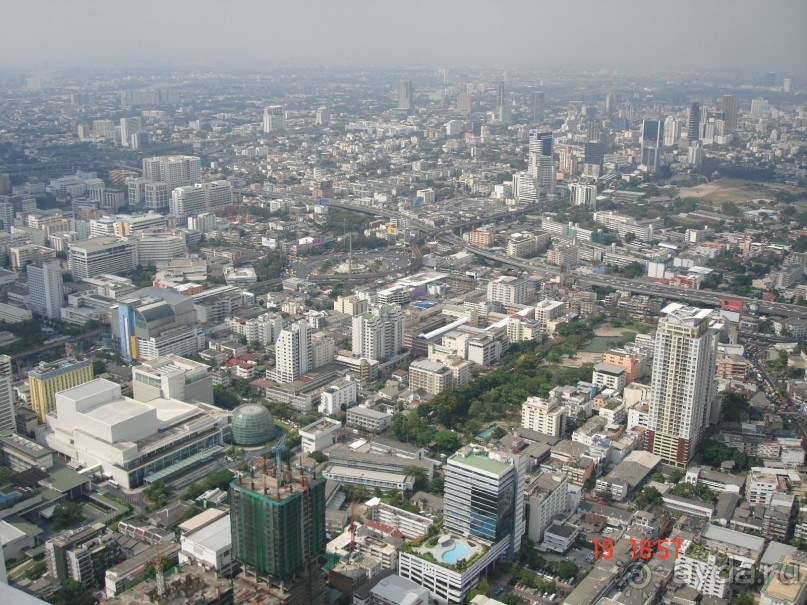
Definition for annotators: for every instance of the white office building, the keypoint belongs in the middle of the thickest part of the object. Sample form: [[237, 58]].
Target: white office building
[[202, 197], [7, 396], [344, 393], [46, 288], [94, 256], [508, 290]]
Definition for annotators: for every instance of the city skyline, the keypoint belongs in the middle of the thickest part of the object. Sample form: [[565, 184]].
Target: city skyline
[[744, 35]]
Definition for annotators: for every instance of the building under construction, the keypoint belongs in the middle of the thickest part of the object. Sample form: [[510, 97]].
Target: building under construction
[[278, 529]]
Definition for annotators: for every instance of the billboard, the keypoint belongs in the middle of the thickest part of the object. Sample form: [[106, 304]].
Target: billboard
[[731, 304]]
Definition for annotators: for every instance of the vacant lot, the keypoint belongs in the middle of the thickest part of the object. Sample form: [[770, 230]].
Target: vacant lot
[[734, 190]]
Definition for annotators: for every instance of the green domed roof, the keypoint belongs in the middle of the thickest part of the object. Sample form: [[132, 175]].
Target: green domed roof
[[252, 425]]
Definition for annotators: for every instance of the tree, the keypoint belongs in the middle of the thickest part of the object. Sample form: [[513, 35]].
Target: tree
[[98, 367], [318, 457], [420, 477], [567, 570], [437, 486], [447, 441], [72, 593], [735, 405], [629, 237], [157, 493], [67, 514], [225, 398], [649, 496]]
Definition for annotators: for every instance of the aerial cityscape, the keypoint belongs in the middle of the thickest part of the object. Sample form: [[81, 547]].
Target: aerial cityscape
[[422, 304]]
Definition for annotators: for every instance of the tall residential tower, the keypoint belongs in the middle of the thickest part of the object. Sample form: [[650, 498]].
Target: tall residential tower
[[683, 384]]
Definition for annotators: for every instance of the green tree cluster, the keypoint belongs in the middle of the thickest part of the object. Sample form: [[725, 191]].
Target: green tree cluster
[[157, 493], [735, 406], [67, 514], [714, 453]]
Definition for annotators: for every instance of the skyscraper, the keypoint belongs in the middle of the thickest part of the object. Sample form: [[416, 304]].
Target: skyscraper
[[484, 495], [6, 394], [672, 131], [465, 103], [278, 529], [503, 111], [694, 122], [537, 107], [292, 353], [46, 288], [540, 164], [378, 334], [730, 111], [274, 118], [128, 127], [683, 383], [406, 95], [652, 138], [323, 117]]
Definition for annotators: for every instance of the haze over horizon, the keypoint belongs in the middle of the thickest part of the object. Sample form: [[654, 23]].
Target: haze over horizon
[[743, 35]]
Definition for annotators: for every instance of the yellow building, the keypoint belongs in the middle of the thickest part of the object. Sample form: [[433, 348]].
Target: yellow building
[[50, 378]]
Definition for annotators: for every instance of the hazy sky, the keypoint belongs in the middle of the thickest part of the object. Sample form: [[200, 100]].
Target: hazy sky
[[748, 35]]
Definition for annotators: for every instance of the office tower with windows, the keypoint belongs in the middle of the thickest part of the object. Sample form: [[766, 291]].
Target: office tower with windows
[[593, 158], [293, 355], [193, 200], [683, 384], [46, 288], [652, 138], [47, 379], [694, 122], [6, 394], [91, 257], [323, 117], [174, 170], [503, 110], [278, 529], [730, 111], [484, 496], [406, 95], [541, 163], [672, 131], [378, 334], [274, 118]]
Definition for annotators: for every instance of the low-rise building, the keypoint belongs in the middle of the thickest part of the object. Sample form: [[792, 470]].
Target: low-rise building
[[368, 419], [319, 434]]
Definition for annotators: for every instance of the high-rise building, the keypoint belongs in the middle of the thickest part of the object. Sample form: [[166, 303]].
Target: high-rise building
[[128, 127], [274, 118], [6, 215], [484, 496], [593, 159], [378, 334], [293, 356], [730, 111], [6, 394], [545, 416], [508, 290], [759, 107], [652, 139], [465, 102], [537, 107], [174, 170], [278, 529], [323, 117], [683, 383], [672, 131], [541, 164], [46, 288], [584, 195], [406, 95], [104, 129], [47, 379], [202, 197], [503, 109], [694, 122], [91, 257]]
